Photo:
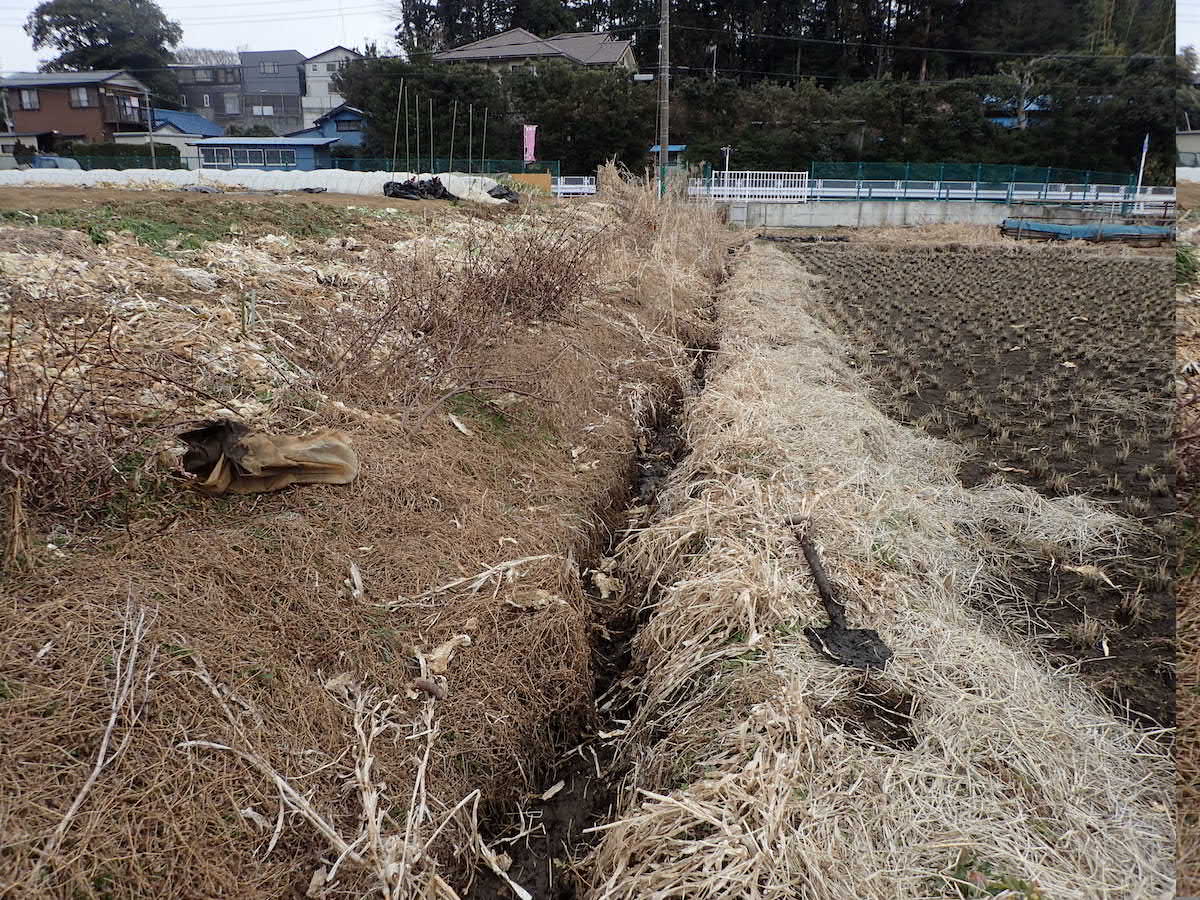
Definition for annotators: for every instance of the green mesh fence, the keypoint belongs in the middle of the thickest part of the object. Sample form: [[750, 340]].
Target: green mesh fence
[[121, 163], [446, 164], [353, 164], [860, 171]]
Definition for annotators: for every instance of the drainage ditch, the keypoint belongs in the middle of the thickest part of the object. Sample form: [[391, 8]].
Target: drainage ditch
[[544, 840]]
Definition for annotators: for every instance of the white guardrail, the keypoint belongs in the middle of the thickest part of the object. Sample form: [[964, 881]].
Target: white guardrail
[[796, 187]]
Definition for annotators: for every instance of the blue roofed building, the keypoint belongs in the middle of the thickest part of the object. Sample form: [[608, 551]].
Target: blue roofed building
[[177, 128], [343, 123], [674, 154], [302, 154]]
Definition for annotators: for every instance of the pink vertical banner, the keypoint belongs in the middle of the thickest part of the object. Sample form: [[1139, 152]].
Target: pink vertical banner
[[530, 137]]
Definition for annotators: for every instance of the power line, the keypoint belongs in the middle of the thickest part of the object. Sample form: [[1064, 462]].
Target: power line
[[881, 46]]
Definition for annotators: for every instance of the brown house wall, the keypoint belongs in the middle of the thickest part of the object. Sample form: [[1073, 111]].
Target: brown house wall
[[57, 114]]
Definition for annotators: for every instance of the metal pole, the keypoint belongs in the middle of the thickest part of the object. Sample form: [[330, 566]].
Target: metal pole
[[453, 126], [725, 186], [396, 130], [432, 163], [483, 149], [407, 155], [417, 127], [1141, 170], [150, 130], [470, 134], [664, 89]]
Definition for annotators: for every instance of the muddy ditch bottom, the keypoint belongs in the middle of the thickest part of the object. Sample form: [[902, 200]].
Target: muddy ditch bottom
[[546, 837]]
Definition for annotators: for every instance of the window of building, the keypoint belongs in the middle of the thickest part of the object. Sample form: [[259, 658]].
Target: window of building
[[214, 157], [207, 101], [80, 97], [316, 67], [281, 157], [268, 68], [332, 67], [204, 75], [183, 100], [349, 125], [263, 110], [29, 99], [247, 157], [233, 104], [8, 149]]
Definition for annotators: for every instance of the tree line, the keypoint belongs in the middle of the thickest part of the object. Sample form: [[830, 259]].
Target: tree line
[[1071, 114], [785, 82], [825, 40]]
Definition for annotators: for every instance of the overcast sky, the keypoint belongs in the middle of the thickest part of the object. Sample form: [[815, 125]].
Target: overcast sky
[[1187, 23], [309, 26]]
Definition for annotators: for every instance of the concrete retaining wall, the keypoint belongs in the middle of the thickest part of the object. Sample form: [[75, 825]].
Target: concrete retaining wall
[[872, 213]]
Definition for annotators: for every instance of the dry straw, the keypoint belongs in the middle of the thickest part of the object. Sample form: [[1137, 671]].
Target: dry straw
[[762, 770], [278, 749]]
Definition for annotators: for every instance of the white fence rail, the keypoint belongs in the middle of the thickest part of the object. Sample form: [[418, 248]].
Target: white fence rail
[[792, 187], [573, 186]]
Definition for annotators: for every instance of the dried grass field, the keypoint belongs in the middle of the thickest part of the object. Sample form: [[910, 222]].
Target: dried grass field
[[551, 641], [1054, 370]]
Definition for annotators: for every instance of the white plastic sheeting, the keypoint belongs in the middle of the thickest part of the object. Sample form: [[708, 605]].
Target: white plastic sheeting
[[336, 181]]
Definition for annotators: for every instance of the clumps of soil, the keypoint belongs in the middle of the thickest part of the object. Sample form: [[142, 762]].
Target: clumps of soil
[[1055, 371]]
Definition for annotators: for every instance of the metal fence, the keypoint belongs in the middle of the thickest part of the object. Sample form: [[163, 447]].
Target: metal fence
[[968, 172], [797, 187], [353, 164], [746, 185]]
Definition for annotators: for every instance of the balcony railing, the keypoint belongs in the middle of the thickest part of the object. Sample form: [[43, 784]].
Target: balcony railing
[[124, 110]]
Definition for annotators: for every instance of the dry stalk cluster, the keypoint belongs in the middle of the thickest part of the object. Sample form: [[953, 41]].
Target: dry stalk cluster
[[249, 771], [968, 767]]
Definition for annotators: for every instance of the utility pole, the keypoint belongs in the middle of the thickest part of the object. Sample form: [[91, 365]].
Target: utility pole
[[150, 130], [664, 93], [453, 125]]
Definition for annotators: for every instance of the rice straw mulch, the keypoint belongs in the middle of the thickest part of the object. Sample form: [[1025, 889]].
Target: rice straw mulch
[[759, 769]]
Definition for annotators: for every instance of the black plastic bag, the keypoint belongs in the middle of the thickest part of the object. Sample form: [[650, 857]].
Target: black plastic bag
[[503, 192], [403, 190]]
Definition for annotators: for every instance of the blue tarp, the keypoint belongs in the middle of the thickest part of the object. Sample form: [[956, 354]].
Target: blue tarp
[[1089, 232]]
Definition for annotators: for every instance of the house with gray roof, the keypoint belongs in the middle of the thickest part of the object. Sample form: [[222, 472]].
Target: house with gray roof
[[75, 106], [518, 49]]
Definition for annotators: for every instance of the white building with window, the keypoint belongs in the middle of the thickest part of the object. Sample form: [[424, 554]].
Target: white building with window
[[319, 95]]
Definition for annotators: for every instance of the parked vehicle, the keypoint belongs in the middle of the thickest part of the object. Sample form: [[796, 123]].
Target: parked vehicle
[[50, 161]]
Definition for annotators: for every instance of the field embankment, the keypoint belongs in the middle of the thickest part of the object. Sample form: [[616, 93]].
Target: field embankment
[[969, 767], [214, 696]]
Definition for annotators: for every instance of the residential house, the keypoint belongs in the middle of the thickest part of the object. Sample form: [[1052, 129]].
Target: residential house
[[1006, 114], [518, 50], [48, 108], [214, 92], [319, 95], [674, 155], [344, 124], [278, 153], [272, 88], [179, 129]]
